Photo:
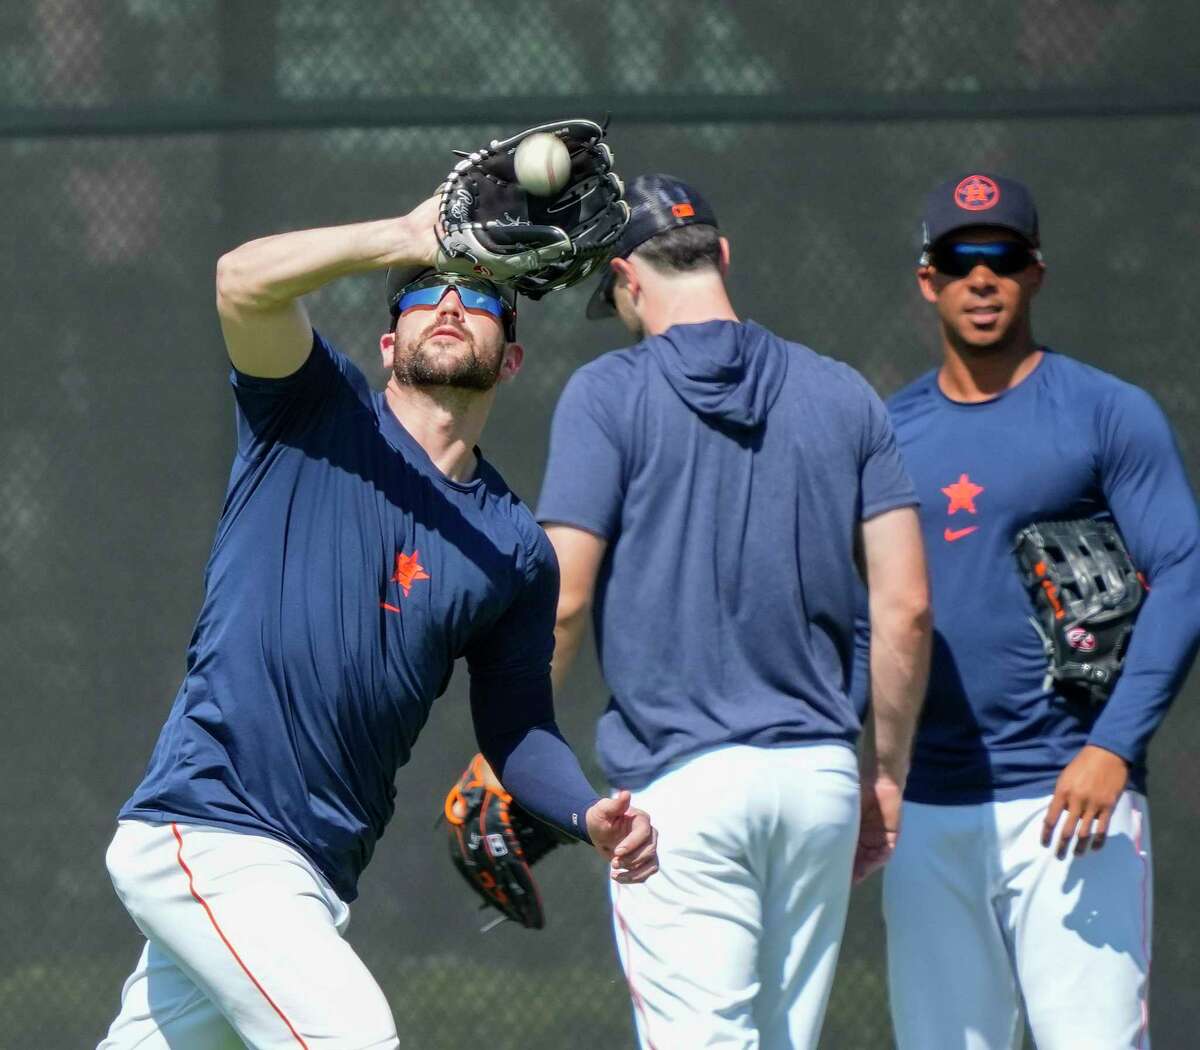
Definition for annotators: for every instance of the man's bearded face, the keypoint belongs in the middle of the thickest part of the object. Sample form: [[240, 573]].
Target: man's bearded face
[[448, 346]]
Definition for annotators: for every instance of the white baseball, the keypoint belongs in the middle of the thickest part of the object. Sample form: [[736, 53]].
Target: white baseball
[[543, 164]]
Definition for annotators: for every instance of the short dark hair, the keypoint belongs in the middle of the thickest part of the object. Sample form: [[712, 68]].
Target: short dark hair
[[692, 247]]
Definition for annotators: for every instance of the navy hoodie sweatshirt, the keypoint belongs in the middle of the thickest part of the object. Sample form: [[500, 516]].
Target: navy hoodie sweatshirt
[[726, 468]]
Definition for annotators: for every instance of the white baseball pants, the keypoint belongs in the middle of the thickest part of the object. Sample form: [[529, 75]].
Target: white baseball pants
[[243, 948], [734, 942], [980, 916]]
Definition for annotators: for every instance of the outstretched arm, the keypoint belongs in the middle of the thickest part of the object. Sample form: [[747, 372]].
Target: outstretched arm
[[513, 710], [259, 285], [520, 740], [579, 556], [901, 631]]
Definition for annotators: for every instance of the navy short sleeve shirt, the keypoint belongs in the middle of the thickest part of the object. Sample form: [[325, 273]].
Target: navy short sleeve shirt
[[727, 469]]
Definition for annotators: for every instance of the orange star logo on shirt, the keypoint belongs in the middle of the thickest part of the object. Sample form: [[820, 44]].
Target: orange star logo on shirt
[[962, 495], [408, 570]]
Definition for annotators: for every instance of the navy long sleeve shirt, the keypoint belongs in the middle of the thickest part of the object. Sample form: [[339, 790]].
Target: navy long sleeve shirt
[[1069, 441], [347, 576]]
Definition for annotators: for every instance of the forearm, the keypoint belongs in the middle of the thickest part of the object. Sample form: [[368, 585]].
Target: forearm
[[580, 554], [539, 769], [265, 274], [1161, 651], [901, 628], [899, 663], [516, 733], [568, 635]]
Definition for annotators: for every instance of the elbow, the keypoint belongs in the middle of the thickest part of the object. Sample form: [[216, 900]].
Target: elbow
[[921, 617], [229, 289], [906, 616], [917, 626], [235, 286], [911, 607], [573, 610]]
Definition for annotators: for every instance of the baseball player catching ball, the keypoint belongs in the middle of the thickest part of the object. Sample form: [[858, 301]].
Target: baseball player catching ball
[[705, 493], [364, 545], [1024, 870]]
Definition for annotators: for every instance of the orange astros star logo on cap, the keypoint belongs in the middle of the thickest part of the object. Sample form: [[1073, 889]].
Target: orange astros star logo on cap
[[976, 193]]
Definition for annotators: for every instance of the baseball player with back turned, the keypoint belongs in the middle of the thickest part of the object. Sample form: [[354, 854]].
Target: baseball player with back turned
[[364, 545], [705, 493], [1024, 871]]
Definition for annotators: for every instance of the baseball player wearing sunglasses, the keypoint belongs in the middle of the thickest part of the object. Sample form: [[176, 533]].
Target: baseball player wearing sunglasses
[[1023, 874], [365, 544]]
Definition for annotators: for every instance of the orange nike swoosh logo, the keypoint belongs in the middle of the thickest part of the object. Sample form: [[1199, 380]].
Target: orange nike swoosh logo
[[957, 534]]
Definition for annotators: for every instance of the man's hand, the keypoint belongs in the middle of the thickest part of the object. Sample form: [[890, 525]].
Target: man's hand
[[622, 835], [1087, 791], [879, 826], [488, 776], [421, 229], [625, 837]]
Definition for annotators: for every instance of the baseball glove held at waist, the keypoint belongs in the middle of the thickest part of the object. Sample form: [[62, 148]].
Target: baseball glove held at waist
[[1086, 594]]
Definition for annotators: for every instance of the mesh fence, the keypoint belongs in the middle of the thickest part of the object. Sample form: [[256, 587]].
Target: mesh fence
[[141, 139]]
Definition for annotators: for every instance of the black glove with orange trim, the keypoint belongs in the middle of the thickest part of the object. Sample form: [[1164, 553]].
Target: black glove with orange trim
[[494, 842], [1086, 595]]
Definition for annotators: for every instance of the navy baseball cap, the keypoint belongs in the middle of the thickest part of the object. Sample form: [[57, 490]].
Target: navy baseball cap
[[656, 203], [979, 199]]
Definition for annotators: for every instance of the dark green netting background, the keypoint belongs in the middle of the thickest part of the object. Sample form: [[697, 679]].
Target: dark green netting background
[[139, 139]]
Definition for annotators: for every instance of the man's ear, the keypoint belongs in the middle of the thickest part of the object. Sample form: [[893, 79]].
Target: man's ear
[[624, 268], [510, 363], [1039, 277], [926, 281], [387, 348], [724, 241]]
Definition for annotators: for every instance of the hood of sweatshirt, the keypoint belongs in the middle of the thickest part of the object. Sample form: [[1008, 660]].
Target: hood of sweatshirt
[[730, 371]]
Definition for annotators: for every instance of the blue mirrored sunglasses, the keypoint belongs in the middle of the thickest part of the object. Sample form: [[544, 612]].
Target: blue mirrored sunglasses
[[472, 297], [959, 258]]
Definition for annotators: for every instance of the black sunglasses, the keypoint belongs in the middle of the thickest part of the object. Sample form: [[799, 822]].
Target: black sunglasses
[[959, 258]]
